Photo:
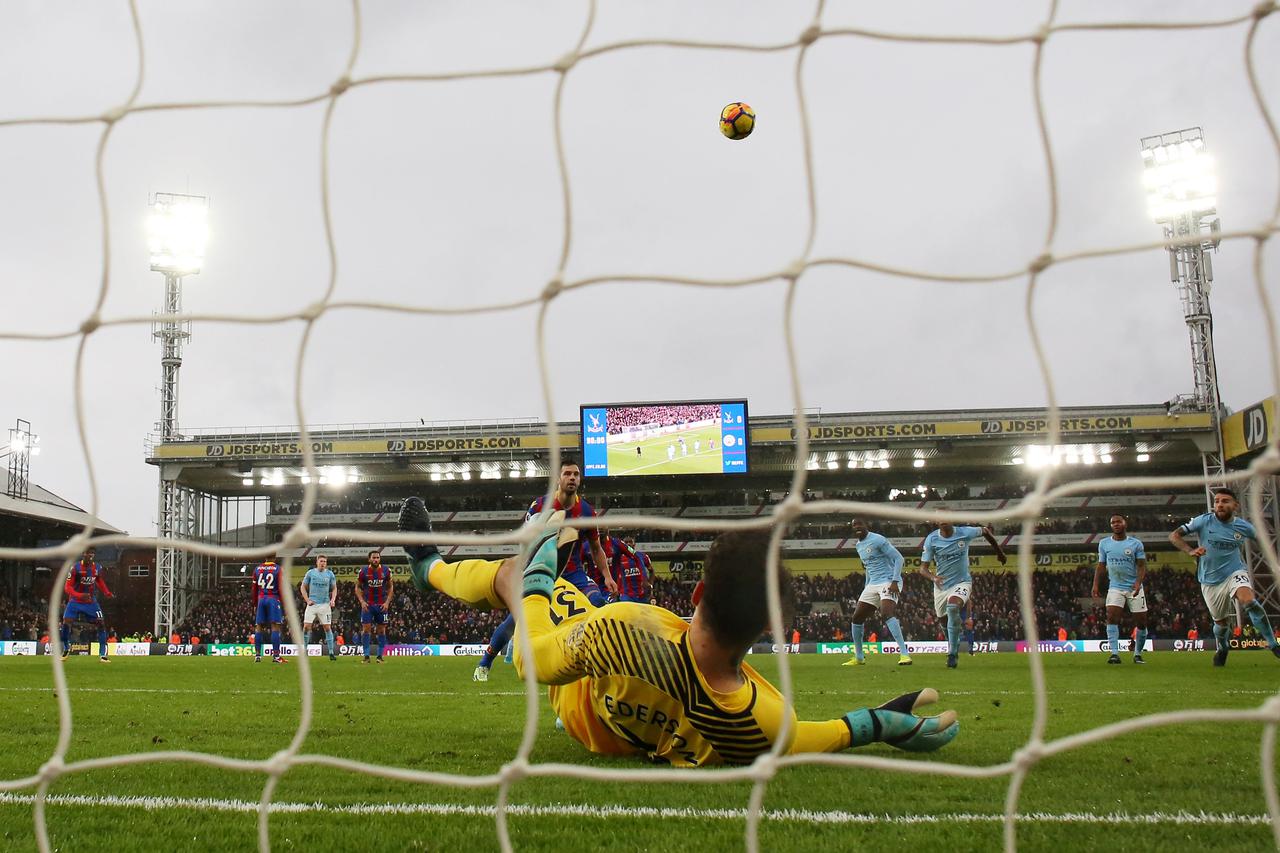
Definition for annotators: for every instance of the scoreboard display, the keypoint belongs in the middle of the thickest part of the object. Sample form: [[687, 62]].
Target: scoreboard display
[[682, 437]]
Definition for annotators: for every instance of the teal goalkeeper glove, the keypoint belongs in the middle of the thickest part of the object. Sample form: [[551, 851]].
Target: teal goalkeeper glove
[[541, 570], [895, 724]]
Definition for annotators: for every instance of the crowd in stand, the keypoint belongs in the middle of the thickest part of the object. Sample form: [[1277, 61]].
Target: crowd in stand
[[1061, 601], [23, 619], [623, 419]]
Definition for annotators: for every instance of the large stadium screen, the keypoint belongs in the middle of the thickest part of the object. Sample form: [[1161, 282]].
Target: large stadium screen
[[636, 439]]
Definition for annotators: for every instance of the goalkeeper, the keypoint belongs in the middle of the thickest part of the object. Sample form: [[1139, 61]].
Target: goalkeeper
[[635, 679]]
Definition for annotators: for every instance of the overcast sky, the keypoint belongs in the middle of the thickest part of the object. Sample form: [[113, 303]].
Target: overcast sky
[[447, 194]]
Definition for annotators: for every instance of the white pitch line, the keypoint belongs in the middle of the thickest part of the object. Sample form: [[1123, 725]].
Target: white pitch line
[[783, 815], [273, 692], [826, 691]]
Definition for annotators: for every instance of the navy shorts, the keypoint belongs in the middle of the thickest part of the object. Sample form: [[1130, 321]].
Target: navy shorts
[[269, 611], [373, 614], [90, 610]]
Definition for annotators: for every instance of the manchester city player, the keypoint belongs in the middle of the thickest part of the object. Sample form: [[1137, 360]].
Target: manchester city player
[[947, 548], [1125, 561], [320, 592], [635, 679], [883, 564], [1222, 572]]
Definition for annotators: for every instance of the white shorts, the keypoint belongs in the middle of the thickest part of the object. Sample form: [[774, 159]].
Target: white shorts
[[321, 610], [1127, 598], [941, 596], [1220, 597], [874, 593]]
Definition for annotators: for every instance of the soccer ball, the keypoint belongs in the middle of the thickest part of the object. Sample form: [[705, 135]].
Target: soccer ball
[[737, 120]]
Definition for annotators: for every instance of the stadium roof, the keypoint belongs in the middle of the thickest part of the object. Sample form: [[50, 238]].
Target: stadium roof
[[994, 441], [43, 505]]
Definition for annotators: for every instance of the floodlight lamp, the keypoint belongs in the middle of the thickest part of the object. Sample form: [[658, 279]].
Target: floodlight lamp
[[177, 231], [918, 463], [18, 443], [1178, 175], [1144, 457], [883, 463], [246, 481]]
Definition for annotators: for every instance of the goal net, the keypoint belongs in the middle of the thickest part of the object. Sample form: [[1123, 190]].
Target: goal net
[[574, 125]]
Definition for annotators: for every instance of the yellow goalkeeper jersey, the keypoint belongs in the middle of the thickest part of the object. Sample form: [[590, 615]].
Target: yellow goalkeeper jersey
[[626, 683]]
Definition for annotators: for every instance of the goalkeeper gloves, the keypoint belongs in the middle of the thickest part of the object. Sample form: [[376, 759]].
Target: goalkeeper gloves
[[895, 724], [541, 570], [415, 518]]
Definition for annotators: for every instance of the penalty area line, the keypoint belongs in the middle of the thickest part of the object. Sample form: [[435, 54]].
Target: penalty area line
[[782, 815], [272, 692]]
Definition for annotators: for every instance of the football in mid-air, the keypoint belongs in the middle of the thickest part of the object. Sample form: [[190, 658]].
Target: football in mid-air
[[737, 120]]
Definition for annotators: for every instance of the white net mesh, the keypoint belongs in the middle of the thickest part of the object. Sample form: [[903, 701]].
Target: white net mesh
[[575, 61]]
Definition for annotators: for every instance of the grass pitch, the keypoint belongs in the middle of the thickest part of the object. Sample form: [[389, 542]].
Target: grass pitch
[[1181, 787], [653, 458]]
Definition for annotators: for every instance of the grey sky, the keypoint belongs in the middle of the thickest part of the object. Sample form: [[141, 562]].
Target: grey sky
[[447, 194]]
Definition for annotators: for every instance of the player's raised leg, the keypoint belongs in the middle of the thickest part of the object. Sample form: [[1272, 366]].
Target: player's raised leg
[[1258, 616]]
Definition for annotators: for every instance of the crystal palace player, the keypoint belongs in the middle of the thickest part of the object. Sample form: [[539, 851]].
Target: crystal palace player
[[374, 588], [269, 612], [631, 569], [81, 589], [948, 549], [580, 553], [635, 679], [1222, 572]]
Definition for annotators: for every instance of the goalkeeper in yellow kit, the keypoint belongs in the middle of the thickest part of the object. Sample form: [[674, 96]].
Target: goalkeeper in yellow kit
[[635, 679]]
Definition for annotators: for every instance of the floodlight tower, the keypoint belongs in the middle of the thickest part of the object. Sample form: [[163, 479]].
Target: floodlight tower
[[177, 233], [1182, 197], [23, 444]]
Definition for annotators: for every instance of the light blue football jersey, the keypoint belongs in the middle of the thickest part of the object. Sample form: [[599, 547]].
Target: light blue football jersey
[[882, 561], [950, 554], [319, 584], [1222, 542], [1121, 559]]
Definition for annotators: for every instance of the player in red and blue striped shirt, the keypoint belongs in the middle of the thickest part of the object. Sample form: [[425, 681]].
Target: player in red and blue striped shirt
[[631, 569], [269, 612], [82, 587], [374, 588], [573, 558]]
